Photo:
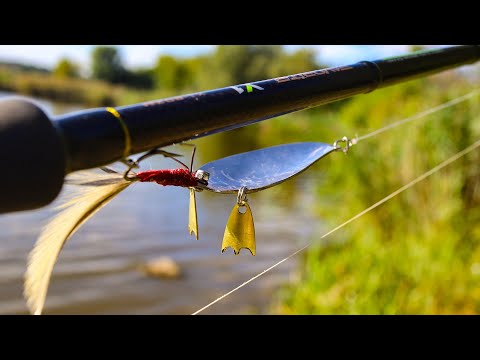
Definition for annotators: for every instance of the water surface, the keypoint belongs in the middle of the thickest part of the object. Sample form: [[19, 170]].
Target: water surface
[[96, 271]]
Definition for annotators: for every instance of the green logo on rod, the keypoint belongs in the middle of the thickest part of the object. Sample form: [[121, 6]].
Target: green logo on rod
[[249, 88]]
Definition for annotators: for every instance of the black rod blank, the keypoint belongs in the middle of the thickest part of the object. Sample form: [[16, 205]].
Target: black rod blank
[[48, 150], [95, 137]]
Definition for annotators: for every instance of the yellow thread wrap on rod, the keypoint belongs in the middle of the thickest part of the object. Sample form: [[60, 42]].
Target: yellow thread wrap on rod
[[128, 141]]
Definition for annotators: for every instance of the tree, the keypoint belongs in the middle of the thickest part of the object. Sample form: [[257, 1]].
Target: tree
[[237, 64], [166, 72], [175, 74], [66, 69], [107, 65], [140, 79], [302, 60], [414, 48]]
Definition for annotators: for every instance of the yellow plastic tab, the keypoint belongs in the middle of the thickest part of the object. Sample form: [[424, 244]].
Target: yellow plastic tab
[[240, 231], [192, 214]]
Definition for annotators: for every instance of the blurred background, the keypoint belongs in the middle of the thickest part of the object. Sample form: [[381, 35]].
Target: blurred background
[[419, 253]]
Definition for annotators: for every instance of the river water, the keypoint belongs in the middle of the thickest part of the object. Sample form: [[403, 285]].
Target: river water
[[96, 272]]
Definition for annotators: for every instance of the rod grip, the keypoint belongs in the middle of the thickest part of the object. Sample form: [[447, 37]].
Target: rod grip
[[32, 156]]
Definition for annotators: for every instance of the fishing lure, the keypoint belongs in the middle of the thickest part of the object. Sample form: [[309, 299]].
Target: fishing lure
[[239, 174], [254, 171]]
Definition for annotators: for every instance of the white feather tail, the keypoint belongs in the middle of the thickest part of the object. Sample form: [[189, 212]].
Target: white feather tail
[[95, 191]]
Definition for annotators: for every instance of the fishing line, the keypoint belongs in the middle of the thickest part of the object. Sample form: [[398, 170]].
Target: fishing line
[[395, 193], [420, 114]]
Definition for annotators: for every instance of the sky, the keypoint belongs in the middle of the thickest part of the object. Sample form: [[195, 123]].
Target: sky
[[146, 55]]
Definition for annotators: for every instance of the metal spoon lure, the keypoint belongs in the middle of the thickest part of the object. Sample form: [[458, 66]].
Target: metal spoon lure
[[257, 170]]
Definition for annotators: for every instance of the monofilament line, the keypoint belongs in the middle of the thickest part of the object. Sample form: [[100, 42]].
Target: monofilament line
[[395, 193], [422, 114]]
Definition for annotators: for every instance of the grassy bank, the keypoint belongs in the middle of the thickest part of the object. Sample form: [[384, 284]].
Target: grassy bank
[[72, 90], [417, 253]]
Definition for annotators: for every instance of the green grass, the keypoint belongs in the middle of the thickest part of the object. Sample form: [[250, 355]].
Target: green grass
[[419, 253]]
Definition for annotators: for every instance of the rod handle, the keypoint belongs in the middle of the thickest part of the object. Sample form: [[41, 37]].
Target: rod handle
[[32, 156]]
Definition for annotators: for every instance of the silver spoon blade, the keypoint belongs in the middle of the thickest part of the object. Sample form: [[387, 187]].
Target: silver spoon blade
[[263, 168]]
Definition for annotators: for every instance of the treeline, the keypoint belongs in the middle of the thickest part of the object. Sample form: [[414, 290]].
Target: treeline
[[109, 82], [23, 67], [227, 65]]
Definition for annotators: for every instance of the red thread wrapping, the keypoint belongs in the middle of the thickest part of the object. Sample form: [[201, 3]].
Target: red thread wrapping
[[169, 177]]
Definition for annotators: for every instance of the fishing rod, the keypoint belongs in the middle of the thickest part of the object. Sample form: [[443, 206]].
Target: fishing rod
[[40, 150]]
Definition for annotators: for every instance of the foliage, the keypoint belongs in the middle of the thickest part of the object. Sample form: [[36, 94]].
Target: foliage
[[173, 74], [140, 79], [107, 65], [227, 65], [420, 251], [14, 66], [239, 64], [66, 69], [68, 90]]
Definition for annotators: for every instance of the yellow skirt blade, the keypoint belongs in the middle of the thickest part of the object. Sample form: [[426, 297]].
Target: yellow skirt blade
[[192, 214], [240, 231]]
